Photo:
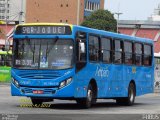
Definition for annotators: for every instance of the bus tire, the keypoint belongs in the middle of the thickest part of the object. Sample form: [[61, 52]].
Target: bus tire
[[36, 101], [131, 96], [87, 102]]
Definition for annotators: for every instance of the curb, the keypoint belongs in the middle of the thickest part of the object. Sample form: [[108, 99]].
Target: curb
[[151, 94], [5, 84]]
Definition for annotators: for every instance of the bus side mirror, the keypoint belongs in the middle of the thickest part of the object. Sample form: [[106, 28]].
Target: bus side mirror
[[81, 50], [81, 35], [81, 55], [81, 47]]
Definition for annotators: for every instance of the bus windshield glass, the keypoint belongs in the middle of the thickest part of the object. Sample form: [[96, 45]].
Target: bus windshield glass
[[43, 53]]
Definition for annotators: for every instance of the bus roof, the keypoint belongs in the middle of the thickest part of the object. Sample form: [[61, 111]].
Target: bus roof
[[114, 35], [94, 31], [30, 24], [43, 24]]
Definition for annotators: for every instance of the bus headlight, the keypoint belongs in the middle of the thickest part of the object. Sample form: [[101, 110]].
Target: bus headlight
[[66, 82], [62, 84], [15, 82]]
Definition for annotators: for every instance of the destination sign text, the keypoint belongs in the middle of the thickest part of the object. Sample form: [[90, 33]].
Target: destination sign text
[[60, 30]]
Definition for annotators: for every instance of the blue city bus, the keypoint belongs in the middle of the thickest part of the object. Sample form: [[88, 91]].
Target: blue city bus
[[69, 62]]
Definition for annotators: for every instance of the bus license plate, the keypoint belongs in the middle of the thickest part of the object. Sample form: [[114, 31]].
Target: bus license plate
[[38, 92]]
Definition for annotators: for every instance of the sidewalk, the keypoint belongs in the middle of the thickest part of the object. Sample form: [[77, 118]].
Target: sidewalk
[[4, 84], [150, 95]]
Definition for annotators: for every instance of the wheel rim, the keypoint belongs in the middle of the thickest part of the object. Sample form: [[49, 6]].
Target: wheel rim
[[89, 95], [131, 95]]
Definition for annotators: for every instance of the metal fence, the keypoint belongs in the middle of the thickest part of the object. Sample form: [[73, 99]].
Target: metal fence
[[157, 78]]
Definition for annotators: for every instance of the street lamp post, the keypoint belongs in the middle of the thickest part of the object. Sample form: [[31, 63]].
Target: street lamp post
[[118, 14], [21, 13], [6, 19], [78, 11]]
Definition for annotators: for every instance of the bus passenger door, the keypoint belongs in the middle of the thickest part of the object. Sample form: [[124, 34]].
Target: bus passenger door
[[81, 61]]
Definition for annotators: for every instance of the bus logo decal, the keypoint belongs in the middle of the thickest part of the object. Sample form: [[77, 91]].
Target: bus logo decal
[[133, 69], [102, 72]]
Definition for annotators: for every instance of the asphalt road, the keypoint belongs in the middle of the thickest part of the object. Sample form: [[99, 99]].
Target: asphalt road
[[144, 105]]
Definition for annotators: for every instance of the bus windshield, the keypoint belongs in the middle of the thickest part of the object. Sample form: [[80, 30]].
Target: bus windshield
[[43, 53]]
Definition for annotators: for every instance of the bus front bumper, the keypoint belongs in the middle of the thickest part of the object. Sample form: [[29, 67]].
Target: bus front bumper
[[55, 92]]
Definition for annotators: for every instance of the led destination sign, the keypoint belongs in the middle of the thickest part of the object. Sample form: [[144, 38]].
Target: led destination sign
[[50, 30]]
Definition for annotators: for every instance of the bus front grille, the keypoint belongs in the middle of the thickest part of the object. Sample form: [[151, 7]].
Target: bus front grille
[[45, 91]]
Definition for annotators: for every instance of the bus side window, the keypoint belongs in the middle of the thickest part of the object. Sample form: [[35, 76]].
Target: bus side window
[[128, 57], [147, 60], [94, 48], [138, 53], [106, 50], [118, 51]]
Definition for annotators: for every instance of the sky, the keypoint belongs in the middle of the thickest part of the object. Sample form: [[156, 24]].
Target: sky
[[132, 9]]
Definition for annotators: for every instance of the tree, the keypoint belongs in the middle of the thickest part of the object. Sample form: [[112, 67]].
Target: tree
[[101, 19]]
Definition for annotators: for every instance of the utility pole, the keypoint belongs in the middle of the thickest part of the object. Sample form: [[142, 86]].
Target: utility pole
[[21, 13], [118, 14], [78, 11], [6, 14], [6, 27]]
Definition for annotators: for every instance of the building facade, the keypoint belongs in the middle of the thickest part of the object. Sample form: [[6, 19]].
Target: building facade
[[12, 10], [144, 29], [65, 11], [156, 14], [4, 9]]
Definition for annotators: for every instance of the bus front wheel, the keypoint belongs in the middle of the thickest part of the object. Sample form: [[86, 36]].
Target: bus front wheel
[[131, 96], [87, 102]]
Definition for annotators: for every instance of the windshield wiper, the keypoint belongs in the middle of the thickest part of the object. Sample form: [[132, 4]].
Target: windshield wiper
[[28, 42], [50, 48], [32, 49]]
